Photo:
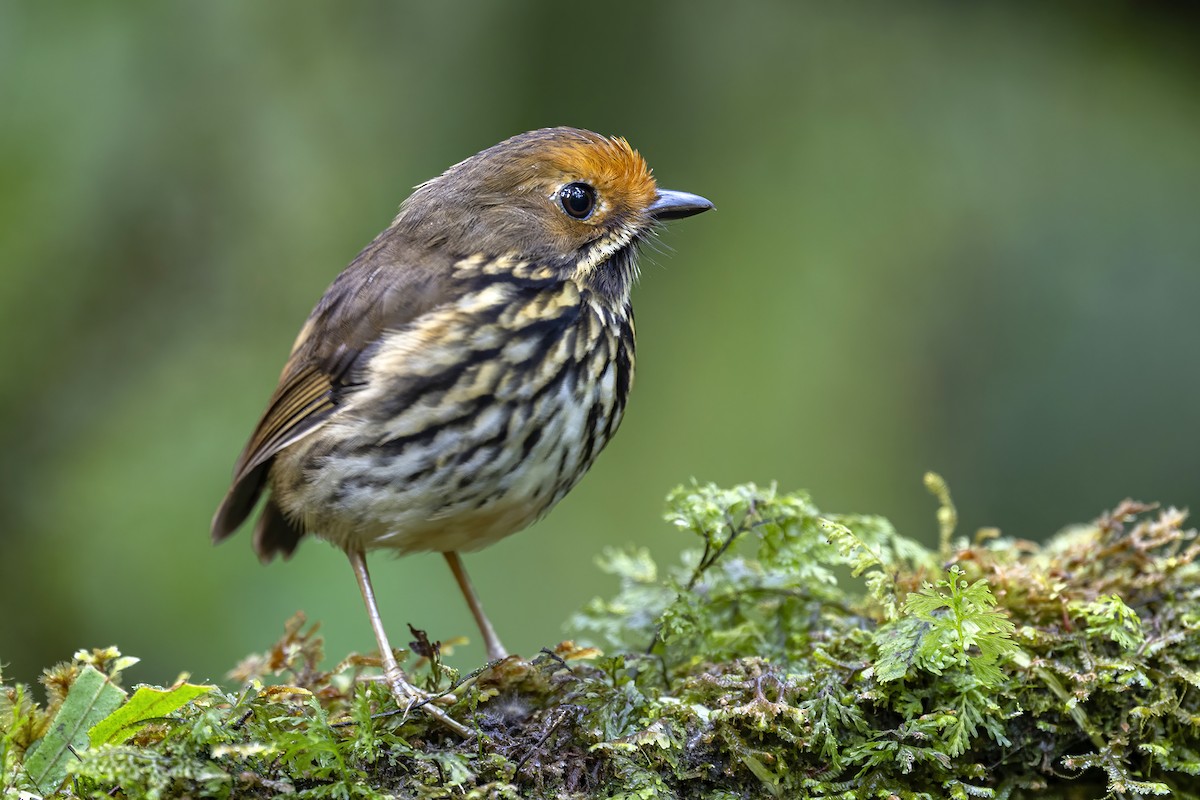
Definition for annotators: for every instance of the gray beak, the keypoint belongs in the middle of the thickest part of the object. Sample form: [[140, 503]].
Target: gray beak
[[677, 205]]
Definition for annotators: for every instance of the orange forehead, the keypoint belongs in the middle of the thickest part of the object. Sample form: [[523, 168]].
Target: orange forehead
[[611, 165]]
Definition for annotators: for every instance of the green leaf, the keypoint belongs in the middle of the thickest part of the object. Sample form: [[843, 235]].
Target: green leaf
[[768, 778], [92, 697], [898, 643], [146, 705], [1109, 618], [966, 629]]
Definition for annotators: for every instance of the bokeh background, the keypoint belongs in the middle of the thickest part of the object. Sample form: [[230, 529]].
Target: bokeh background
[[949, 236]]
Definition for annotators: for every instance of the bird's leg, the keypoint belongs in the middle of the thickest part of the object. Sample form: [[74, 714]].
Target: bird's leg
[[405, 693], [495, 649], [391, 669]]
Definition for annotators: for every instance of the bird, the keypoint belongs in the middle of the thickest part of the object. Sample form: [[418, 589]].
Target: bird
[[460, 376]]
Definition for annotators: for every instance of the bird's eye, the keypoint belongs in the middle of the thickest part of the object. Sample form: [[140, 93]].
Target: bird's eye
[[577, 199]]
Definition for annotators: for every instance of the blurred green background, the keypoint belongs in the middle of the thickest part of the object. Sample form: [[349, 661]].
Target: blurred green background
[[949, 236]]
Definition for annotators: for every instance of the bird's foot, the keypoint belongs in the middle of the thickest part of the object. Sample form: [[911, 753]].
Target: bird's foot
[[412, 698]]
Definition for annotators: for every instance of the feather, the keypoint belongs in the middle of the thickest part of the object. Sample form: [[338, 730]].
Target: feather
[[383, 289]]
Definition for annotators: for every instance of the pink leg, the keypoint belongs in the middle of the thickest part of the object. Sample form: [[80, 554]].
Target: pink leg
[[405, 693], [491, 641]]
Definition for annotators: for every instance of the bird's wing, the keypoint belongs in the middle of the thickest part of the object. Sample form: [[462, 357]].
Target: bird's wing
[[378, 292]]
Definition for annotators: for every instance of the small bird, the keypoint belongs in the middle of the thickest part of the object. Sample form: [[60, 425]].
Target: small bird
[[461, 375]]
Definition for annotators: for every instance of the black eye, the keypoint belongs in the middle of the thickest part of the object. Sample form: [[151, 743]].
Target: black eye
[[577, 199]]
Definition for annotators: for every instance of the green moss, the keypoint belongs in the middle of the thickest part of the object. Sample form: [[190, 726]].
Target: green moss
[[789, 654]]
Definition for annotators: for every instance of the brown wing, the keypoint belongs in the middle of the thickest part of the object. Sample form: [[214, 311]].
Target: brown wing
[[384, 288]]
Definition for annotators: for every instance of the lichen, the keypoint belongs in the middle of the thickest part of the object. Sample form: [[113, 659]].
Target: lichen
[[789, 653]]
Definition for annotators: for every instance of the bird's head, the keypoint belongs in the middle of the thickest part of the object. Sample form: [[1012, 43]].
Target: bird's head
[[564, 198]]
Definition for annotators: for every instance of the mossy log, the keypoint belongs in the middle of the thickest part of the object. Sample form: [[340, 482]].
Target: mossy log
[[790, 654]]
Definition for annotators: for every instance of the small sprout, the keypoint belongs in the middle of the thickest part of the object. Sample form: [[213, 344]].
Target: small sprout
[[947, 514]]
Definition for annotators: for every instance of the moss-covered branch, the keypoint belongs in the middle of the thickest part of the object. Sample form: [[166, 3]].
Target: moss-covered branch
[[789, 654]]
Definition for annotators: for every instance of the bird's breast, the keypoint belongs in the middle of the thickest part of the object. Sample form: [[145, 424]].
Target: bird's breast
[[471, 423]]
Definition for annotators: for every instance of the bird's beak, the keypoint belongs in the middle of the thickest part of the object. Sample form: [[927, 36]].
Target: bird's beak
[[677, 205]]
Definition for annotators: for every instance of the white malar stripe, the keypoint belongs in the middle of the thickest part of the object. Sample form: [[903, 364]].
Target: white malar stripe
[[604, 251]]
